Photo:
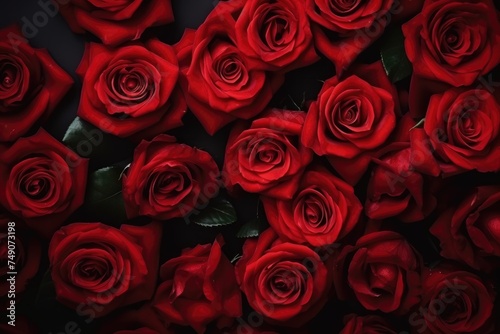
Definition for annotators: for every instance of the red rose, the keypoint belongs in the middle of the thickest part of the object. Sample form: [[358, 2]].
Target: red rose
[[463, 128], [287, 283], [168, 180], [343, 29], [142, 321], [453, 301], [395, 189], [276, 35], [117, 22], [131, 91], [470, 231], [383, 272], [370, 324], [219, 85], [351, 119], [101, 268], [31, 86], [25, 255], [454, 41], [267, 157], [199, 287], [323, 210], [42, 181]]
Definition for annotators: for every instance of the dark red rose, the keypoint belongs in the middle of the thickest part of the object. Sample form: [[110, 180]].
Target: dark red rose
[[343, 29], [382, 271], [454, 41], [219, 84], [395, 189], [18, 248], [31, 84], [470, 230], [199, 287], [287, 283], [454, 301], [142, 321], [351, 119], [267, 157], [463, 130], [168, 180], [370, 324], [118, 21], [131, 91], [276, 35], [100, 268], [323, 210], [42, 181]]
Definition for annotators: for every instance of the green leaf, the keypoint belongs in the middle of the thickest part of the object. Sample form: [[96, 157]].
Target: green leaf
[[251, 229], [104, 195], [219, 212], [89, 141], [393, 55]]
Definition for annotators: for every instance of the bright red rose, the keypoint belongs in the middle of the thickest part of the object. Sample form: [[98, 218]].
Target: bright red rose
[[351, 119], [42, 181], [168, 180], [370, 324], [454, 41], [323, 210], [382, 271], [142, 321], [100, 267], [469, 231], [454, 301], [275, 35], [31, 86], [343, 29], [199, 287], [267, 157], [463, 128], [287, 283], [116, 22], [131, 91], [26, 255], [220, 85]]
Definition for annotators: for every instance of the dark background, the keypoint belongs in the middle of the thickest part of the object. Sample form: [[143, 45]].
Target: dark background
[[300, 85]]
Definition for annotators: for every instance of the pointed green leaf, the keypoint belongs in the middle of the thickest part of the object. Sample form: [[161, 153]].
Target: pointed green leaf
[[393, 55], [251, 229], [219, 212]]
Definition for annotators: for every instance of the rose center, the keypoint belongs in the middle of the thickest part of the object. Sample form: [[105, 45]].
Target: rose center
[[344, 7]]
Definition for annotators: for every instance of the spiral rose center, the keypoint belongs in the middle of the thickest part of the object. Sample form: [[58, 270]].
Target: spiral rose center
[[276, 29], [344, 7], [383, 278]]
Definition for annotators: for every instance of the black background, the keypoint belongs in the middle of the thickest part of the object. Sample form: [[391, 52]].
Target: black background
[[67, 49]]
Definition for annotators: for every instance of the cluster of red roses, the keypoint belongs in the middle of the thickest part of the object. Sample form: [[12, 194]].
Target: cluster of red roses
[[323, 243]]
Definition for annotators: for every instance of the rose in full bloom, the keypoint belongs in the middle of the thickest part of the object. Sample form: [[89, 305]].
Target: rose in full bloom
[[42, 181], [287, 283], [168, 180], [454, 41], [219, 84], [118, 21], [26, 255], [199, 287], [131, 91], [276, 35], [463, 128], [142, 321], [343, 29], [454, 301], [351, 119], [369, 324], [99, 266], [469, 231], [267, 157], [382, 271], [31, 84], [323, 210]]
